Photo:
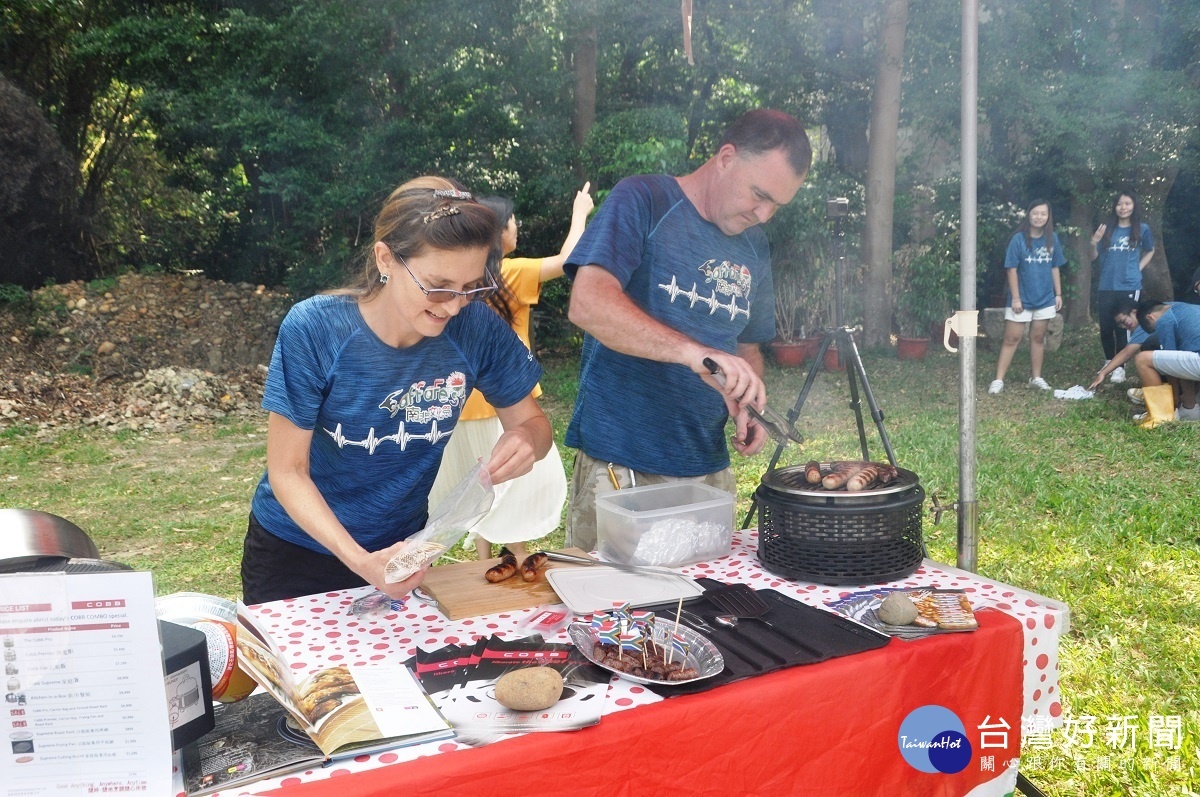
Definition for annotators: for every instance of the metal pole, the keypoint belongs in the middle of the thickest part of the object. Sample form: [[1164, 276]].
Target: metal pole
[[968, 516]]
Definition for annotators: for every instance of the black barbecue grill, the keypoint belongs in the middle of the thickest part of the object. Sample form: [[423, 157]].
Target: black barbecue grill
[[838, 537]]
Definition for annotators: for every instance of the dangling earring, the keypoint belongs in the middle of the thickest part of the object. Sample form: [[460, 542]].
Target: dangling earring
[[383, 278]]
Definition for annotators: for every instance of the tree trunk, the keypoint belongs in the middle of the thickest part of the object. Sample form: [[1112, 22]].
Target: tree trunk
[[1079, 301], [583, 114], [881, 175], [1152, 189]]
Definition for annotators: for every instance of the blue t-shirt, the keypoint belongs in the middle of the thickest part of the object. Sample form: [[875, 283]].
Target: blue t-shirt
[[1178, 328], [1034, 265], [381, 416], [1119, 262], [684, 272]]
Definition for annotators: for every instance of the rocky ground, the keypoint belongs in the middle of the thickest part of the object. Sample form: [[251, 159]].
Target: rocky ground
[[136, 352]]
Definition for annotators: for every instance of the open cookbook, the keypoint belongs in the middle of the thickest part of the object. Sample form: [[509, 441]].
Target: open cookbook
[[324, 714]]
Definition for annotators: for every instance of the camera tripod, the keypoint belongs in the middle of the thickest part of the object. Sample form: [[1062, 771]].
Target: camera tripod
[[847, 351]]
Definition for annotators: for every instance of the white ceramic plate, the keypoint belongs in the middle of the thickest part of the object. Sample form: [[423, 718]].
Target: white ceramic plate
[[593, 589]]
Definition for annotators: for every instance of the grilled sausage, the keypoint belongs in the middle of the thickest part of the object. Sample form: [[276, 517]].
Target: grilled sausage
[[863, 479], [531, 564], [842, 472], [506, 569], [812, 472]]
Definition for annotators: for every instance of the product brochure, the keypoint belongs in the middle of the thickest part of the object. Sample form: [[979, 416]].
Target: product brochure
[[461, 680]]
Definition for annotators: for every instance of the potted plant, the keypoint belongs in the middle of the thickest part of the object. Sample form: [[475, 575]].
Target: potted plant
[[790, 348], [924, 297]]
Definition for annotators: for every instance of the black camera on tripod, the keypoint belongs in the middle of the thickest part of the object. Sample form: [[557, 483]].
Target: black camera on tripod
[[837, 208]]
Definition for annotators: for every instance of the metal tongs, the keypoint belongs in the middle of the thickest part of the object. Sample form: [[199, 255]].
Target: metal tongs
[[777, 426], [559, 556]]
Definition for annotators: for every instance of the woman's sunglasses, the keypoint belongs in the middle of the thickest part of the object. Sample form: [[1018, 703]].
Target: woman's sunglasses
[[442, 295]]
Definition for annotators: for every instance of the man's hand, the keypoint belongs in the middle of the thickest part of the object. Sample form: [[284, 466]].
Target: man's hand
[[748, 437], [736, 380]]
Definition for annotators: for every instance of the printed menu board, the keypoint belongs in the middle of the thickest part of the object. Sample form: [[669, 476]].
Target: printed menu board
[[85, 706]]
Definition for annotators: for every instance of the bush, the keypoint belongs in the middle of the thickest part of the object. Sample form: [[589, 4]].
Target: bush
[[639, 141]]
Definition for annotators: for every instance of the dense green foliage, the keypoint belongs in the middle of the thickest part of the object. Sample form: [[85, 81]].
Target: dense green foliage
[[253, 139]]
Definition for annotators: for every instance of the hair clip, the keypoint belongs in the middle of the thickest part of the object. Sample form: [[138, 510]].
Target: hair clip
[[441, 213], [451, 193]]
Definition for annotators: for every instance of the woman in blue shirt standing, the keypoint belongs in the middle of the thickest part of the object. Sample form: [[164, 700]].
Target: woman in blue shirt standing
[[1032, 264], [1124, 245]]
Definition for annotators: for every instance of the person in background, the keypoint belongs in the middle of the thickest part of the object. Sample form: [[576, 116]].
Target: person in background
[[1124, 313], [531, 506], [1032, 265], [1177, 326], [365, 386], [672, 272], [1124, 245], [1192, 294]]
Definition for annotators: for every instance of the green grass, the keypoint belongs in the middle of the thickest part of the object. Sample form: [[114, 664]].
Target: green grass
[[1074, 501]]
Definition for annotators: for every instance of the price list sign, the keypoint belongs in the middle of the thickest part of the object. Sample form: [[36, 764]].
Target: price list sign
[[85, 706]]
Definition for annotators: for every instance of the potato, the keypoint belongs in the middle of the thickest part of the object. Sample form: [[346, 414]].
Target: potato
[[529, 688], [897, 609]]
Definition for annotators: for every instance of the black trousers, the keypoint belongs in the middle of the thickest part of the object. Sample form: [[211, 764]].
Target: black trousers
[[1112, 337], [274, 569]]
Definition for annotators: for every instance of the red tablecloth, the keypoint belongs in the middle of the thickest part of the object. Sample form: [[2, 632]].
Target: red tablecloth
[[825, 730]]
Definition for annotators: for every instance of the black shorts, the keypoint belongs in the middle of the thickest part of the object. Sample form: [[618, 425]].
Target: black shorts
[[274, 569]]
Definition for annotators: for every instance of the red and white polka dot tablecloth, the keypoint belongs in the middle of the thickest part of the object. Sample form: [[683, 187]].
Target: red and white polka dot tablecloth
[[317, 631]]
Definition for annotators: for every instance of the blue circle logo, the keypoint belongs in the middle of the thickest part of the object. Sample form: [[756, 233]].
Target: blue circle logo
[[933, 739]]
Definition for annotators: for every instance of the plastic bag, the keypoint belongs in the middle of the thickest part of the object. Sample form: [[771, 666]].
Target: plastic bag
[[465, 506]]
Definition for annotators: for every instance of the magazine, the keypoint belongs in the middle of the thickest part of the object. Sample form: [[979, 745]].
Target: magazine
[[250, 742], [343, 712]]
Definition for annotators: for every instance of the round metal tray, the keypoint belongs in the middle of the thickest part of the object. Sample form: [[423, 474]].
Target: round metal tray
[[792, 481]]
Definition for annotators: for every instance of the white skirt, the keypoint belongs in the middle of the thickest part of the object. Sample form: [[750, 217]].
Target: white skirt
[[525, 508]]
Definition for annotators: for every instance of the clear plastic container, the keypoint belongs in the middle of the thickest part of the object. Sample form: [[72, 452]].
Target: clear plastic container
[[664, 524]]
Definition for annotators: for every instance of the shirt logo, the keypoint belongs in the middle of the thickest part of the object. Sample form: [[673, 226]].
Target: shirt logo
[[724, 280], [444, 394]]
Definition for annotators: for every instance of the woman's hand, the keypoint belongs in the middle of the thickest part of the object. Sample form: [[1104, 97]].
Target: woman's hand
[[1099, 234], [1058, 304], [1017, 307], [373, 567], [526, 439], [512, 456], [583, 203]]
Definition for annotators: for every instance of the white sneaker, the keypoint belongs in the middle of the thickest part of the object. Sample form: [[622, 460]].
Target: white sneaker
[[1117, 376], [1188, 413], [1141, 416], [1039, 383], [997, 386], [1135, 395]]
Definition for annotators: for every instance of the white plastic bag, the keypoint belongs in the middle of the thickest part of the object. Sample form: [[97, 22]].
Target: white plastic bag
[[465, 506]]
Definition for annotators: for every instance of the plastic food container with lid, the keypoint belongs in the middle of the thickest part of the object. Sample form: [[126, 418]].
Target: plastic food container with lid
[[668, 525]]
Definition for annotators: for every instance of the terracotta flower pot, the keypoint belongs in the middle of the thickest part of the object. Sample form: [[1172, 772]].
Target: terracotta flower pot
[[911, 348], [832, 361], [790, 353]]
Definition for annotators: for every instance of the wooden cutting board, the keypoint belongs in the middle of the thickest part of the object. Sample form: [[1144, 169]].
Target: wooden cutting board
[[461, 590]]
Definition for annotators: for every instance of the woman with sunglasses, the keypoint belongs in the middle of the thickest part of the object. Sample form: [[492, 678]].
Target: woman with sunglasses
[[529, 507], [365, 387]]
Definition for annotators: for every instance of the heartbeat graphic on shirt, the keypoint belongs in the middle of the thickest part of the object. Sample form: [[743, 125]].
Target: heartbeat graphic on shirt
[[1040, 255], [401, 438], [713, 303]]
